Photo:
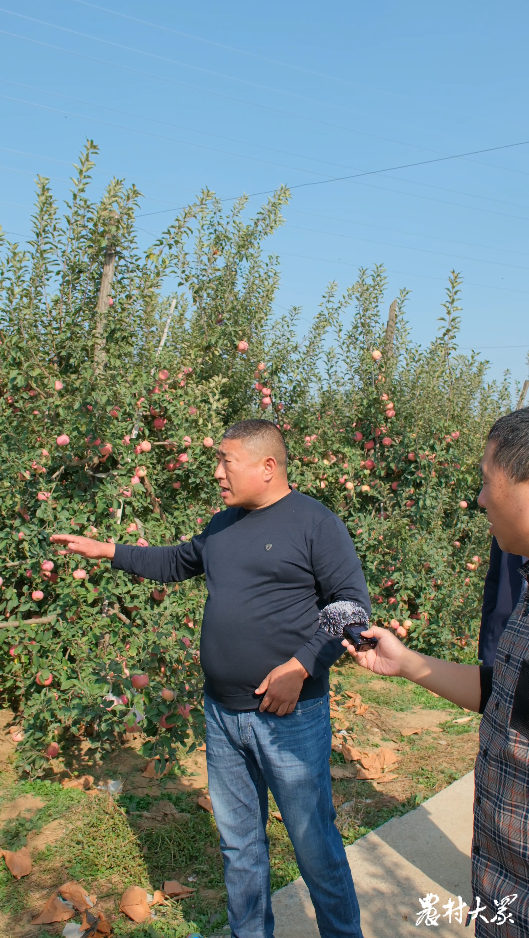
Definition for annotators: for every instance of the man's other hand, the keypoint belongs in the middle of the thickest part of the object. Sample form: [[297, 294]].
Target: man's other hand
[[282, 687], [85, 546]]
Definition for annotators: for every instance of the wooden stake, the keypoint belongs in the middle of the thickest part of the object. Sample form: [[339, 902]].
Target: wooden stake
[[102, 310], [523, 395]]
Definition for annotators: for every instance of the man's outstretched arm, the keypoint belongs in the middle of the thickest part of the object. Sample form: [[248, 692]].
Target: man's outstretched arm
[[163, 564], [459, 683]]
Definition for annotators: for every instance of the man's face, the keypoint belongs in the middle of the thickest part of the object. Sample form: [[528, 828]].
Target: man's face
[[507, 506], [243, 474]]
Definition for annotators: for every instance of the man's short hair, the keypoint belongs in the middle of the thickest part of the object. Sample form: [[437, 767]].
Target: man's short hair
[[510, 435], [260, 433]]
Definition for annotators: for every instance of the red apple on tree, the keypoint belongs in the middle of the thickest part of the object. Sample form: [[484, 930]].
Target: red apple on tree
[[52, 751], [139, 681], [44, 682]]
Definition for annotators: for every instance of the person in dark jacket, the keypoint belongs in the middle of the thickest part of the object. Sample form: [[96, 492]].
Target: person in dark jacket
[[502, 590], [272, 560]]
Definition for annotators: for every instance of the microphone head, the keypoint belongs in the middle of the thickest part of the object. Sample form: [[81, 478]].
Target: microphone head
[[335, 616]]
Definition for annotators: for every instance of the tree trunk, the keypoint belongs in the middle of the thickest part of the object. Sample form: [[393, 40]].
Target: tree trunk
[[102, 310]]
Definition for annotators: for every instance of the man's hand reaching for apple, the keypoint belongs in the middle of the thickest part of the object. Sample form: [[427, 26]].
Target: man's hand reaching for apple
[[85, 546]]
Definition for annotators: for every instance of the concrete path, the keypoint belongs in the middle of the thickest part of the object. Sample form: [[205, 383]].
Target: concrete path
[[425, 851]]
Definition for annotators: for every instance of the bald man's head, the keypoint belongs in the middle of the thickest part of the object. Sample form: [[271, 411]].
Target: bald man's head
[[263, 437]]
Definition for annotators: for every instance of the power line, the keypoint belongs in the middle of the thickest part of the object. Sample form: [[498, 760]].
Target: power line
[[265, 58], [406, 248], [244, 142], [156, 120], [388, 169], [207, 71], [402, 273], [238, 100], [217, 94]]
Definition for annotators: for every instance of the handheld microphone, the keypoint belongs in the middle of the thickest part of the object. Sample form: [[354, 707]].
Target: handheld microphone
[[347, 619]]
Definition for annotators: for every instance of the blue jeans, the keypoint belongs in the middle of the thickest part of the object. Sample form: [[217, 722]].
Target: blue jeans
[[247, 753]]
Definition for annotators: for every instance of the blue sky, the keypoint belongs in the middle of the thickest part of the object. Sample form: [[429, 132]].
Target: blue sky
[[242, 97]]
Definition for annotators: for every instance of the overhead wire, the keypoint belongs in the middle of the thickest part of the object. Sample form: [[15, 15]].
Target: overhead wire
[[208, 71], [229, 97], [115, 110]]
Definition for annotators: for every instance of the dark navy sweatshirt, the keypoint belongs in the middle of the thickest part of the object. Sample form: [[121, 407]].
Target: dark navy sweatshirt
[[268, 574]]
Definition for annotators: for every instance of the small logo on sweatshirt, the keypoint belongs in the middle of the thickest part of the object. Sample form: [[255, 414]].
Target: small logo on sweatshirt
[[268, 547]]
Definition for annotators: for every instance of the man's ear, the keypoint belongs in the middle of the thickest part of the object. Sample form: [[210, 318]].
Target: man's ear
[[270, 466]]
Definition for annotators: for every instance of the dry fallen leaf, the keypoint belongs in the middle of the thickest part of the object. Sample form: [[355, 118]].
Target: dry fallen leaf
[[95, 925], [387, 777], [411, 731], [175, 890], [388, 756], [18, 862], [277, 815], [75, 893], [158, 897], [201, 748], [336, 744], [151, 769], [350, 753], [83, 784], [369, 774], [343, 771], [134, 904], [205, 802], [55, 910], [363, 708], [462, 720]]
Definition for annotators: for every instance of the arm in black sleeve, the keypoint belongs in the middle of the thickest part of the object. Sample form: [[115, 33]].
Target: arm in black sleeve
[[339, 576], [490, 592], [485, 680], [164, 564]]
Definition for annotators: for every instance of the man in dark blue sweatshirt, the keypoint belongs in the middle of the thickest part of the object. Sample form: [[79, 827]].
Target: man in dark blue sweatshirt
[[272, 560]]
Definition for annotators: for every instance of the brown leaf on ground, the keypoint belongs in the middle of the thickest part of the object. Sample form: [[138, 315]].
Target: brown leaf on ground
[[387, 777], [134, 904], [151, 768], [388, 756], [412, 731], [83, 784], [205, 802], [336, 744], [354, 700], [95, 925], [201, 748], [175, 890], [369, 774], [157, 898], [18, 862], [363, 708], [76, 894], [350, 753], [277, 815], [55, 910], [343, 771]]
